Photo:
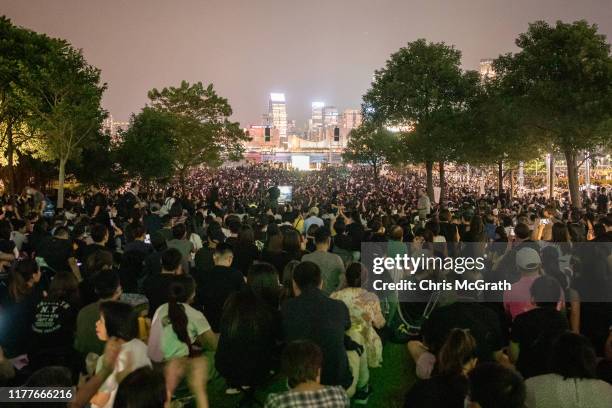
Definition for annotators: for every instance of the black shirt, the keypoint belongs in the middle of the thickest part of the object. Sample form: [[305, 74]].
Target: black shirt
[[53, 327], [213, 289], [438, 392], [56, 253], [482, 322], [535, 331], [313, 316]]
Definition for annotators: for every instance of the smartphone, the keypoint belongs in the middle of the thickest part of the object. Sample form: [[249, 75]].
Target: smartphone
[[147, 239]]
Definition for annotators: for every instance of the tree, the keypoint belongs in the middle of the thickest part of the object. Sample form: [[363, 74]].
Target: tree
[[495, 135], [21, 50], [204, 132], [98, 163], [64, 97], [422, 85], [370, 145], [563, 79], [148, 148]]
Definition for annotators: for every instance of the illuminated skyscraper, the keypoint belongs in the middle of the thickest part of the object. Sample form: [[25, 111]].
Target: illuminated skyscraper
[[278, 113], [330, 116], [351, 118], [317, 114], [486, 68]]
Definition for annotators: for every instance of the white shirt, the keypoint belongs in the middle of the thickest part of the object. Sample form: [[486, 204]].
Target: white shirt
[[552, 391], [137, 352], [163, 341]]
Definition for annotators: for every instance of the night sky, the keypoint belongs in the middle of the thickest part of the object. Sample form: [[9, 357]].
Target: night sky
[[311, 50]]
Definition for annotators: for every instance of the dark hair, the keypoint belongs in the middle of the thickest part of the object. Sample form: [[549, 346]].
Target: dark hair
[[223, 249], [573, 356], [288, 278], [99, 260], [142, 388], [180, 291], [550, 263], [119, 319], [322, 235], [458, 349], [495, 386], [233, 224], [5, 229], [178, 231], [246, 235], [307, 274], [339, 226], [98, 232], [522, 231], [106, 283], [301, 361], [291, 241], [61, 232], [263, 279], [246, 312], [354, 274], [51, 376], [171, 259], [138, 229], [64, 286], [23, 271], [546, 292]]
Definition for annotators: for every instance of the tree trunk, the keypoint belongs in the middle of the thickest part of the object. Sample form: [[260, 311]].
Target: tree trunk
[[551, 176], [500, 177], [442, 186], [182, 181], [429, 171], [511, 189], [572, 178], [10, 150], [60, 187]]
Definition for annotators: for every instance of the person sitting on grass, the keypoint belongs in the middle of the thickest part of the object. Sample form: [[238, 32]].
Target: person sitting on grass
[[118, 322], [448, 385], [493, 385], [301, 362]]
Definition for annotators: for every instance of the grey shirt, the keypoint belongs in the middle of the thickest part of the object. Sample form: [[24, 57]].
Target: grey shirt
[[332, 269]]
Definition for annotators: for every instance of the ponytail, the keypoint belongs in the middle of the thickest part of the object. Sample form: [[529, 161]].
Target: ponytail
[[458, 349], [180, 291]]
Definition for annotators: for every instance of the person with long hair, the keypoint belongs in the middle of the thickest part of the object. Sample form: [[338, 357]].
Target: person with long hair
[[18, 299], [245, 250], [118, 322], [250, 330], [177, 328], [448, 385]]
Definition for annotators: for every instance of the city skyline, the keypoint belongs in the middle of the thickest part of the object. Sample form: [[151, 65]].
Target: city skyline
[[311, 51]]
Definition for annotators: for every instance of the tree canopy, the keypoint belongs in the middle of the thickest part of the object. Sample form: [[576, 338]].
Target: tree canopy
[[562, 77]]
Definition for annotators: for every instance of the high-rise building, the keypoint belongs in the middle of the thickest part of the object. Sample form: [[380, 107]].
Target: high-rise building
[[278, 113], [486, 68], [114, 128], [317, 114], [330, 116], [351, 118]]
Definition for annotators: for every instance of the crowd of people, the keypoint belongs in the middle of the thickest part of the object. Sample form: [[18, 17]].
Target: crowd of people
[[139, 297]]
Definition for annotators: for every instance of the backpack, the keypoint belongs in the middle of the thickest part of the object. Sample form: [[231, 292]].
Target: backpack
[[404, 323]]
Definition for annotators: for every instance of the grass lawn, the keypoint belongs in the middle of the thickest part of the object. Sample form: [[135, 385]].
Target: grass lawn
[[389, 382]]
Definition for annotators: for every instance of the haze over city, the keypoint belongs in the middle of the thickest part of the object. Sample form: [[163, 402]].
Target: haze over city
[[311, 50]]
